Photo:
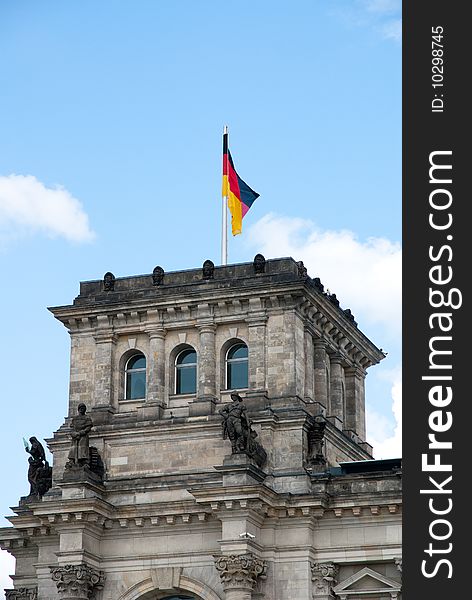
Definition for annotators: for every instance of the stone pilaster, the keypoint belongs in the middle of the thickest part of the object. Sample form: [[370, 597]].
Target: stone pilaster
[[80, 384], [104, 362], [239, 574], [285, 354], [77, 582], [206, 390], [355, 401], [336, 387], [155, 395], [324, 577], [257, 353], [22, 594], [309, 367], [321, 361]]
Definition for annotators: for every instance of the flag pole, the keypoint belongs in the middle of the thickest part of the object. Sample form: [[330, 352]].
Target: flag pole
[[224, 219]]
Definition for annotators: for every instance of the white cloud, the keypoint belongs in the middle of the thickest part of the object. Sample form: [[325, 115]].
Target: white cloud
[[387, 443], [392, 30], [383, 16], [28, 206], [7, 566], [364, 275], [386, 17]]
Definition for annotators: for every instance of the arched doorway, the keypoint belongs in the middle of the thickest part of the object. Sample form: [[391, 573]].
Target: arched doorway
[[188, 589], [177, 595]]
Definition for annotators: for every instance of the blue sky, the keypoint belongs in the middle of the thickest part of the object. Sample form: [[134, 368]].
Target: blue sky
[[111, 115]]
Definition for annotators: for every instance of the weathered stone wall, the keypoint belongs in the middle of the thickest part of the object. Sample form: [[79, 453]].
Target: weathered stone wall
[[82, 371], [174, 500]]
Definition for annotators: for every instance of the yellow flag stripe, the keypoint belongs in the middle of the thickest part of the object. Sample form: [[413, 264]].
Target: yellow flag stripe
[[235, 208]]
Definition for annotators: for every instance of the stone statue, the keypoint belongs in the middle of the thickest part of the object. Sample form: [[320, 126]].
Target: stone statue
[[334, 299], [316, 458], [237, 427], [256, 450], [318, 285], [79, 453], [39, 471], [349, 315], [236, 424], [108, 282], [208, 269], [157, 276], [302, 270], [259, 263]]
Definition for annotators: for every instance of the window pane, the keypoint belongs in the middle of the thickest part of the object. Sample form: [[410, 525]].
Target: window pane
[[136, 385], [187, 357], [238, 351], [237, 375], [137, 362], [186, 380]]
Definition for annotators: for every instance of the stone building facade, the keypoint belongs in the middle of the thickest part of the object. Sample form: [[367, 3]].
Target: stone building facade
[[166, 506]]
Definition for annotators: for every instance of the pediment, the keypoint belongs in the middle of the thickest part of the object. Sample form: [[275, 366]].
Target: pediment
[[367, 581]]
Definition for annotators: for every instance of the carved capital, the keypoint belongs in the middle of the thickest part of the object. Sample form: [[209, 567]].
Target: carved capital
[[257, 320], [206, 327], [240, 571], [158, 333], [22, 594], [324, 577], [398, 563], [77, 582], [106, 337], [356, 371], [336, 358], [320, 344]]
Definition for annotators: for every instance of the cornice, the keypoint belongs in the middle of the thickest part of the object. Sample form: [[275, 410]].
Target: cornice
[[325, 319]]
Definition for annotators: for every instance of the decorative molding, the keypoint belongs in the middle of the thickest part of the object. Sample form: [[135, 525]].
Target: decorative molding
[[22, 594], [240, 571], [186, 584], [77, 582], [385, 587], [166, 578], [324, 577]]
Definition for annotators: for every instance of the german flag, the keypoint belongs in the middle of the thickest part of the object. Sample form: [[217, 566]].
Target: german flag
[[240, 195]]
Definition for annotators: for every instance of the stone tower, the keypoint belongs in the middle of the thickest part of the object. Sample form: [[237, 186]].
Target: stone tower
[[224, 453]]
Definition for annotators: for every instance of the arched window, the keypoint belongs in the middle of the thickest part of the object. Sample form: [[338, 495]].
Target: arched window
[[237, 367], [186, 372], [135, 377]]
